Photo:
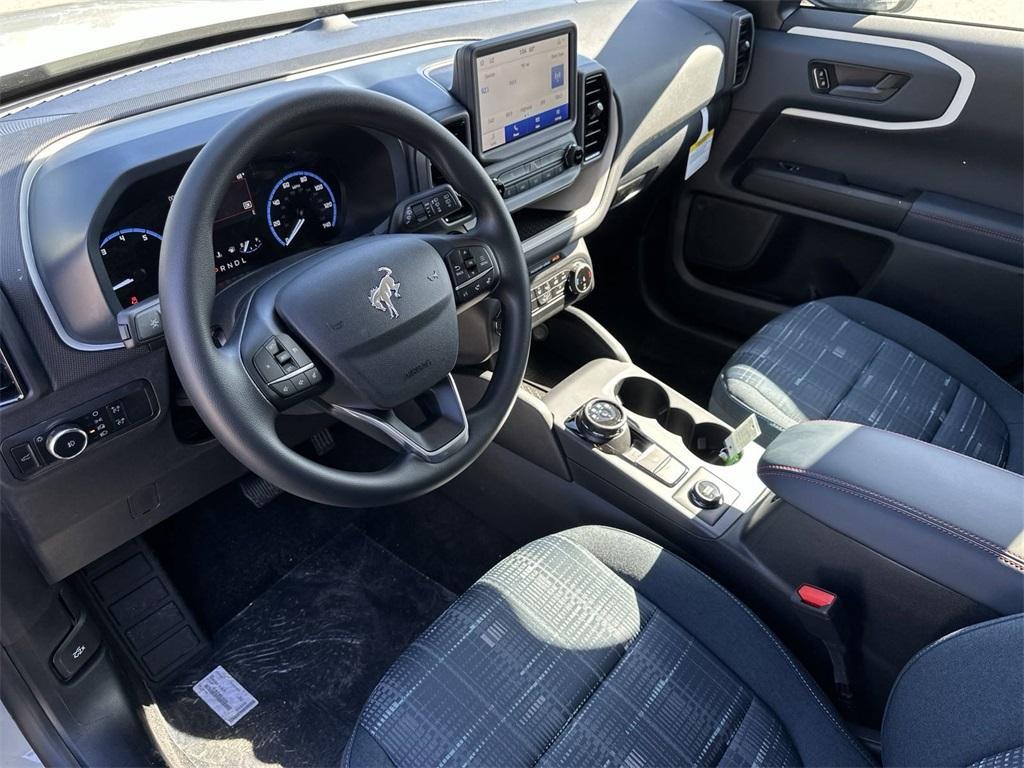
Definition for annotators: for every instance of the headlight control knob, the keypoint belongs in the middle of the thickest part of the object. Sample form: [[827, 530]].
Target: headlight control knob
[[66, 441]]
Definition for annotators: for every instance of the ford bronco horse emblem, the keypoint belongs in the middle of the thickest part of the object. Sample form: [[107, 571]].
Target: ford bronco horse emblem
[[381, 296]]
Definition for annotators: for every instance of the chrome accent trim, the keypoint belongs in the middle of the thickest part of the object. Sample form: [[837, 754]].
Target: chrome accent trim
[[30, 258], [956, 104], [55, 436], [303, 369], [14, 377]]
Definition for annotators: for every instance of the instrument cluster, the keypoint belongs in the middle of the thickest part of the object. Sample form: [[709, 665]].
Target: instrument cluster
[[277, 206]]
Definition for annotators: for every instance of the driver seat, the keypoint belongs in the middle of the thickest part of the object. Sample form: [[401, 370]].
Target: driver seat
[[596, 647]]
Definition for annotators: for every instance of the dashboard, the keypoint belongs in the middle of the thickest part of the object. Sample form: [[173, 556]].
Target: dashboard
[[594, 110], [283, 203]]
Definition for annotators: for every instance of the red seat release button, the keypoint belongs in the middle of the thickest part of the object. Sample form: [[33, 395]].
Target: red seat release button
[[815, 596]]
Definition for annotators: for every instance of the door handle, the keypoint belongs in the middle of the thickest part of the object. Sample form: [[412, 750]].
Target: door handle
[[855, 82]]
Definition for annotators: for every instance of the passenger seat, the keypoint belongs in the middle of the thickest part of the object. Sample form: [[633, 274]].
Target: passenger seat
[[849, 359]]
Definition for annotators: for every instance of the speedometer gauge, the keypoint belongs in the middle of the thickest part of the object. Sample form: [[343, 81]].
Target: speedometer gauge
[[301, 207], [132, 259]]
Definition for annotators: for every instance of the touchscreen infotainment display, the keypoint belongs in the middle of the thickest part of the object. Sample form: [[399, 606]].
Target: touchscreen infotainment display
[[522, 90]]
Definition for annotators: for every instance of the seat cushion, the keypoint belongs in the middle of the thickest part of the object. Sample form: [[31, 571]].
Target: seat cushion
[[848, 359], [595, 647]]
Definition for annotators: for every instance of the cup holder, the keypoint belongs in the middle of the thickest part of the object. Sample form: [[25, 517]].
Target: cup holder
[[643, 397], [704, 439]]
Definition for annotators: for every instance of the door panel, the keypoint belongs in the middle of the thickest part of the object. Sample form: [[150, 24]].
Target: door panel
[[912, 198]]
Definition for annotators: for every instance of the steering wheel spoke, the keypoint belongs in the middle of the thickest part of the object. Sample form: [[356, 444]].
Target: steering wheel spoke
[[439, 429]]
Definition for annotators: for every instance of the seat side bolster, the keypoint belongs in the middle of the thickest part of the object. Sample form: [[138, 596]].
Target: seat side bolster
[[959, 700], [364, 751]]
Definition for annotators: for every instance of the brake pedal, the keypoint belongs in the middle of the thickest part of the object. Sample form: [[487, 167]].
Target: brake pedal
[[258, 491], [323, 442]]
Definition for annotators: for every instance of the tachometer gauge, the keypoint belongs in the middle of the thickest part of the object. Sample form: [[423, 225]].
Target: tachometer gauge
[[132, 259], [301, 207]]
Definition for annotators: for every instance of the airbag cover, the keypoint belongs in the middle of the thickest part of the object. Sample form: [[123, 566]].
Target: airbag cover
[[381, 314]]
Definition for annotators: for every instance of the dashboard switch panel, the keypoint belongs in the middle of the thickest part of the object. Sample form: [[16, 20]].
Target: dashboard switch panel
[[559, 283], [525, 177], [72, 434]]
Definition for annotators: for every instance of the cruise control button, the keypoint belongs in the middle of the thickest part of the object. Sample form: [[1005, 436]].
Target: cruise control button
[[267, 366], [298, 354]]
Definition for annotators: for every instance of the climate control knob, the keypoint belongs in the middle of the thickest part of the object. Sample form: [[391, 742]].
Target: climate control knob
[[581, 279], [66, 441]]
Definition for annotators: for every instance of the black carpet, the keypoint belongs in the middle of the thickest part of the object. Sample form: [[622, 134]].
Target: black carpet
[[309, 649], [223, 552], [306, 607]]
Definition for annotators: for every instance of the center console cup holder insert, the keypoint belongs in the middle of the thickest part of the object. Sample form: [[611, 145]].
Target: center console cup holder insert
[[704, 439], [643, 397]]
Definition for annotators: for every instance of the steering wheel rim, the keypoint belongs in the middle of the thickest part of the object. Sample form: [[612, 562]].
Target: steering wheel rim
[[221, 386]]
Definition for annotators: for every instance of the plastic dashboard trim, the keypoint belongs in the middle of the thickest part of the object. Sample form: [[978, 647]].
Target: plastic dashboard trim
[[30, 257]]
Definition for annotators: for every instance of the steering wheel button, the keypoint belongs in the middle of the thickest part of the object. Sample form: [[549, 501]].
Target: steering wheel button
[[300, 382], [289, 367], [313, 374], [273, 346], [267, 366], [283, 357], [298, 355], [284, 388]]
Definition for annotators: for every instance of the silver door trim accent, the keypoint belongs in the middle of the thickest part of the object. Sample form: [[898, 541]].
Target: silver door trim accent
[[956, 104]]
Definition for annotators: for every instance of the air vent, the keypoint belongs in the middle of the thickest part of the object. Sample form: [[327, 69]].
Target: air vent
[[459, 128], [11, 390], [596, 102], [744, 50]]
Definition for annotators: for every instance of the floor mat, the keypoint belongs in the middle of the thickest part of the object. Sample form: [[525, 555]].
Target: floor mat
[[440, 538], [310, 650], [223, 552]]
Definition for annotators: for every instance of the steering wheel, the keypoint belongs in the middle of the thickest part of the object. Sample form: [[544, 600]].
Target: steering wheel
[[366, 327]]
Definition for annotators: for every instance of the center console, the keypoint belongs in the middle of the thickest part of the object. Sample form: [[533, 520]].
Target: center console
[[625, 434]]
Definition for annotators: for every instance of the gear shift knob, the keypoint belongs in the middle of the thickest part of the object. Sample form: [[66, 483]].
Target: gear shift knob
[[603, 422]]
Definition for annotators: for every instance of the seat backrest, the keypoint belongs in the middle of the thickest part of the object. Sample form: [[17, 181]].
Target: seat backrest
[[960, 701]]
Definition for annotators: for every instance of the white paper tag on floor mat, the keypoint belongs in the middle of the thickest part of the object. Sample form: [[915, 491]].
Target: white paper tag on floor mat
[[225, 695]]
